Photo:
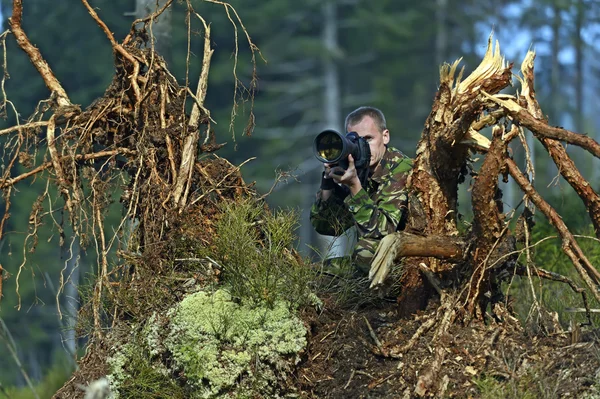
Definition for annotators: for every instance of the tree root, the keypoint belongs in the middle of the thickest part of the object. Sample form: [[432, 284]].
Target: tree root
[[34, 54], [586, 270]]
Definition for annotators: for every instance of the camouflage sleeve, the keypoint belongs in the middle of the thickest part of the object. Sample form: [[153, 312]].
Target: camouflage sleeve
[[331, 217], [382, 215]]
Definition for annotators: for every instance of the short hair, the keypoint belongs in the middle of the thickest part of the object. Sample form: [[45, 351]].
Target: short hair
[[358, 114]]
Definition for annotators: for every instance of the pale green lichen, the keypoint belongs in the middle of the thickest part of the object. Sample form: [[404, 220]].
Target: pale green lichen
[[152, 333], [213, 346], [219, 345], [117, 363]]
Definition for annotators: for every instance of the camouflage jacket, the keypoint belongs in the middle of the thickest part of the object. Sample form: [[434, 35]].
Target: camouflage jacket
[[376, 210]]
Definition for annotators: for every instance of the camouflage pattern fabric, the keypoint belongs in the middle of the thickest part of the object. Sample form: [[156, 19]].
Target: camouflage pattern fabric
[[378, 209]]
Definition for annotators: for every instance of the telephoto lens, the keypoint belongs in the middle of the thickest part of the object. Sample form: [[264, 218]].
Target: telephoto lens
[[333, 148]]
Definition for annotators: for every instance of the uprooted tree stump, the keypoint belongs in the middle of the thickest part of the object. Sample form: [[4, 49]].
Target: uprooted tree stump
[[468, 269], [452, 132], [139, 133]]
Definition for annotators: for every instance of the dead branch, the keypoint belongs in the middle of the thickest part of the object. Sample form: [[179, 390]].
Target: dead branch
[[6, 215], [79, 157], [396, 353], [372, 333], [559, 154], [543, 129], [583, 266], [191, 141], [395, 246], [548, 275], [433, 280], [203, 81], [427, 380], [58, 170], [569, 171], [446, 315], [20, 128], [35, 56]]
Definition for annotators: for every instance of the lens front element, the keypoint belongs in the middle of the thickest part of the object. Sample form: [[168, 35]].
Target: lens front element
[[329, 146]]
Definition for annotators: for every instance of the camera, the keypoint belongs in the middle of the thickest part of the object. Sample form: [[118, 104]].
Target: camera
[[332, 147]]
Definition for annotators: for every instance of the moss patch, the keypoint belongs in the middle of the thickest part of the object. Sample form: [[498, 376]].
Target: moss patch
[[224, 347], [210, 346]]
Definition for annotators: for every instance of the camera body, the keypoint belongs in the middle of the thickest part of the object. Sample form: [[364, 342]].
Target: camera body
[[332, 147]]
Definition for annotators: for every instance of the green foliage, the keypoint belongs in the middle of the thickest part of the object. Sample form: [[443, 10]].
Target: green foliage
[[346, 288], [594, 391], [53, 379], [135, 375], [255, 248], [548, 254], [534, 384], [222, 349]]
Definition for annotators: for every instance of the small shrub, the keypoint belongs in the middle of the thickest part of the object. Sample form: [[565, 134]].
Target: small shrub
[[134, 374], [556, 296], [256, 249], [532, 384]]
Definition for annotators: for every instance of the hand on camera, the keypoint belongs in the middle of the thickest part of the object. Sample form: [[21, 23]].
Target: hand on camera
[[348, 177]]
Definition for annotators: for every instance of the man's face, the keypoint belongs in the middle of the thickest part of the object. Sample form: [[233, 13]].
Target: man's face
[[377, 139]]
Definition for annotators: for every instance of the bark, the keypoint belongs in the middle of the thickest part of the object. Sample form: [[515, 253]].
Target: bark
[[488, 229]]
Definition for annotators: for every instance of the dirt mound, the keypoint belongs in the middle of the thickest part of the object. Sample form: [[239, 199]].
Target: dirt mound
[[344, 358]]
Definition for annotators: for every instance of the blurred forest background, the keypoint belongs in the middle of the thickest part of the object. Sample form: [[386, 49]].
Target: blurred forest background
[[319, 59]]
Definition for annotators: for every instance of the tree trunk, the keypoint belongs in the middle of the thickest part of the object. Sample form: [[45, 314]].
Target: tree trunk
[[441, 38], [579, 45], [337, 246], [554, 100], [70, 307]]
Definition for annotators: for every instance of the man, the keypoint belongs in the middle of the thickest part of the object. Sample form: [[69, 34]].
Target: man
[[376, 209]]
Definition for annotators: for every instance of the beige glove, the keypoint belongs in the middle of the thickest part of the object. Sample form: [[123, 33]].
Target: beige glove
[[384, 258]]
